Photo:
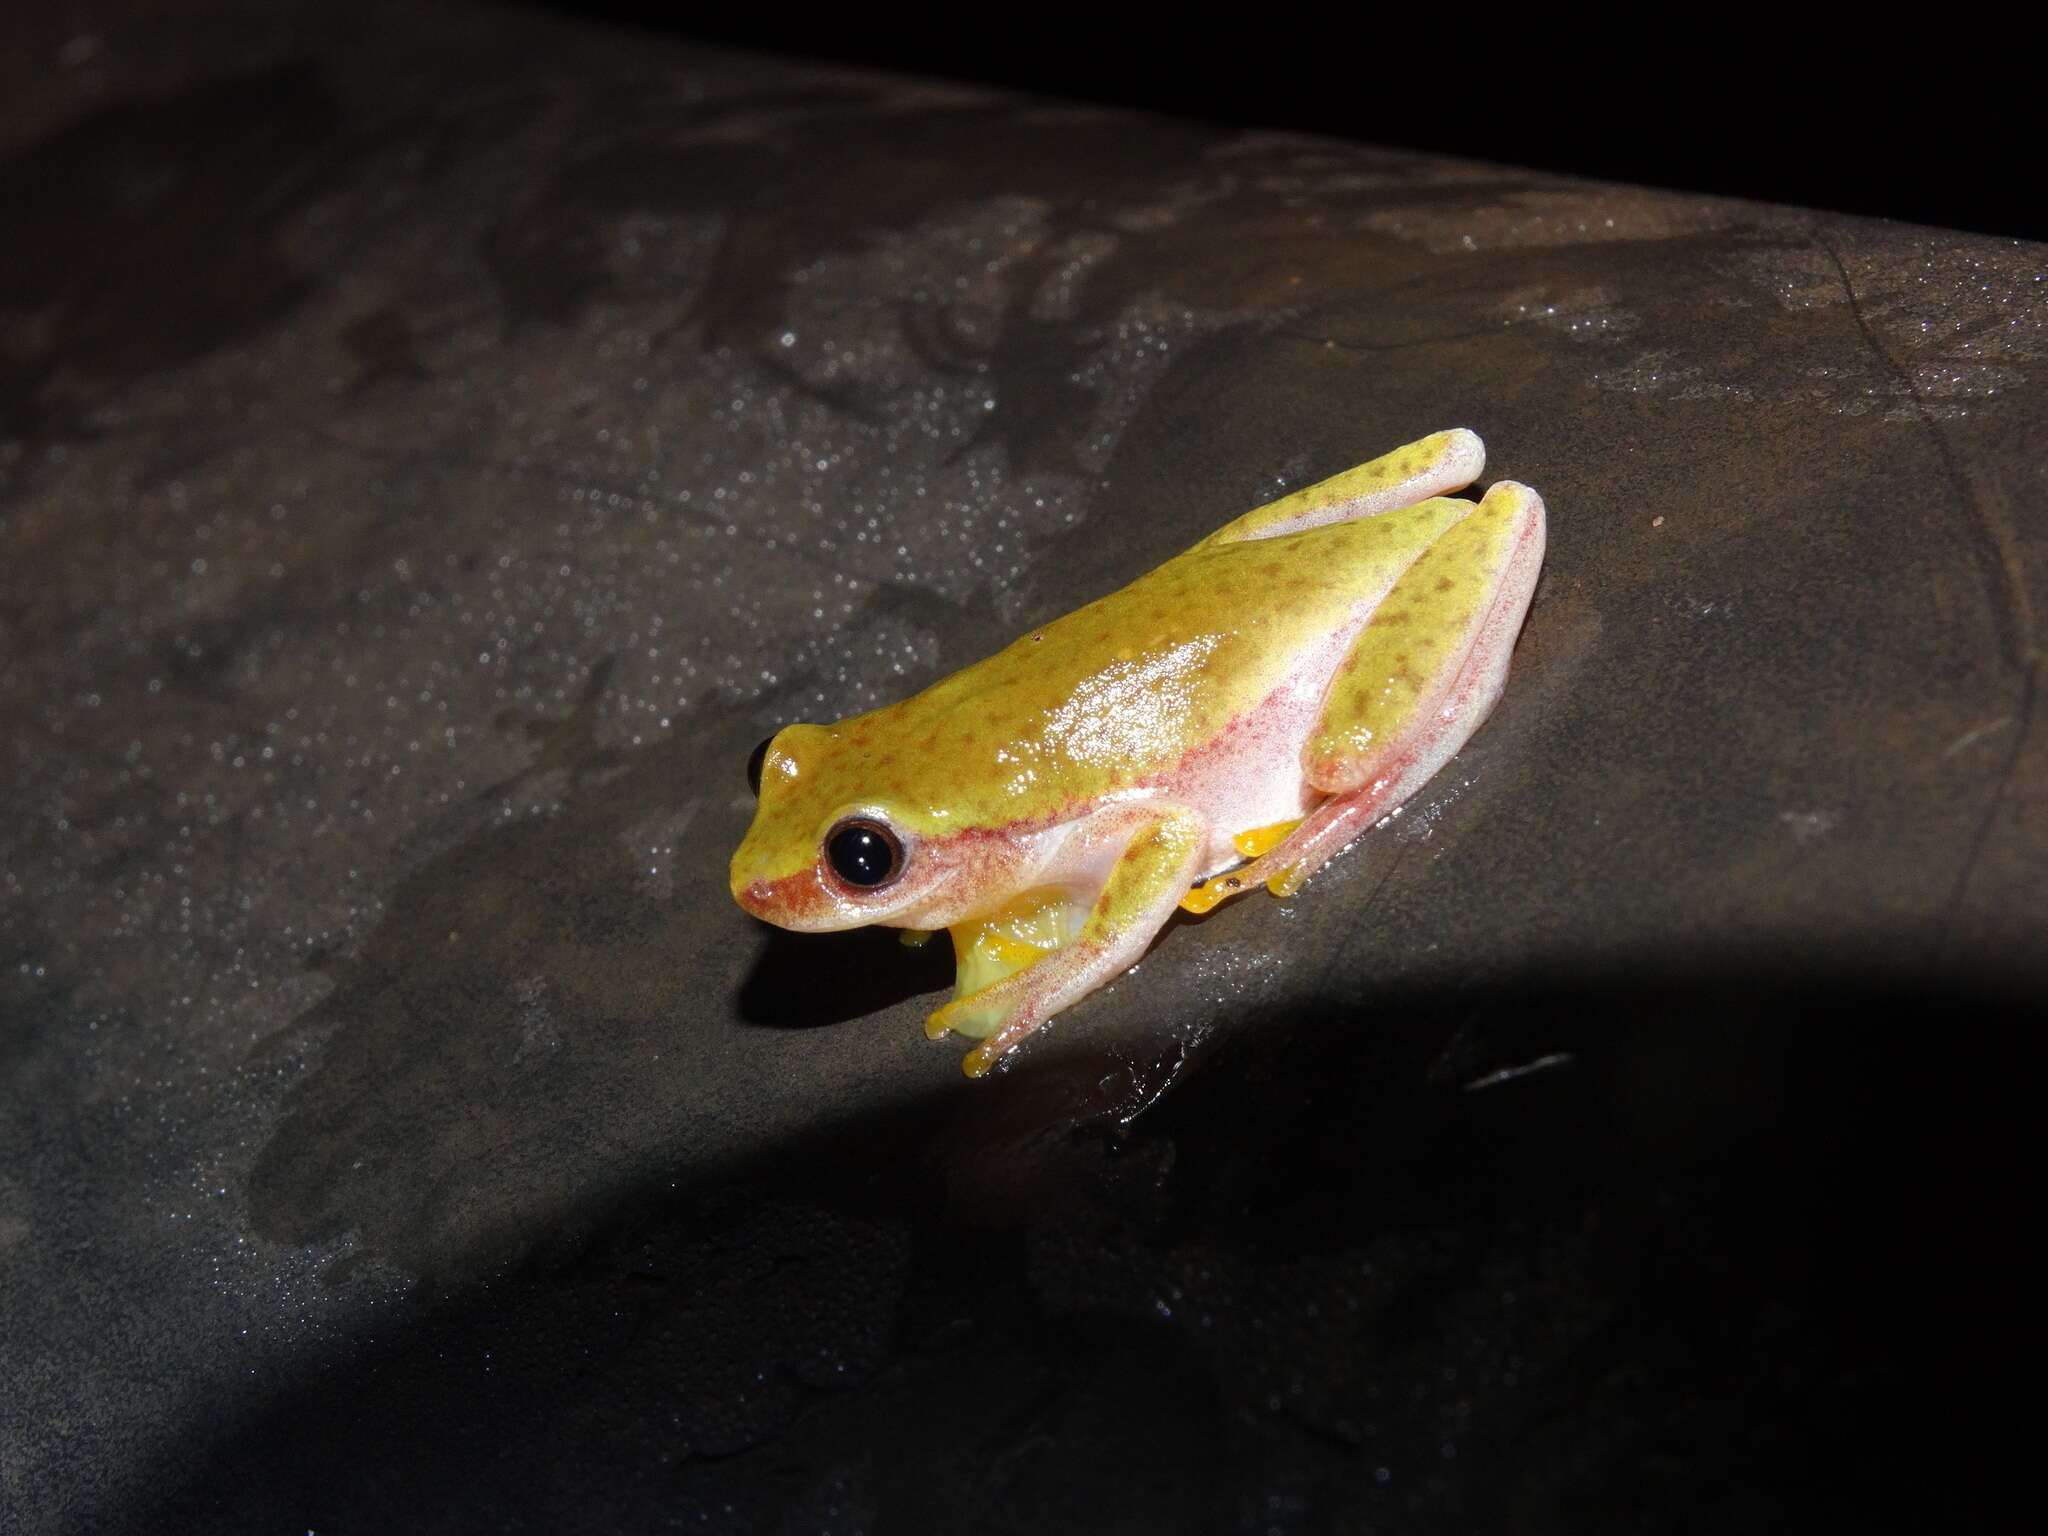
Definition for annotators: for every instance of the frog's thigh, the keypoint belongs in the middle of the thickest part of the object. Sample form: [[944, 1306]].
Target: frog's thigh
[[1444, 461], [1140, 894], [1430, 663], [1401, 709]]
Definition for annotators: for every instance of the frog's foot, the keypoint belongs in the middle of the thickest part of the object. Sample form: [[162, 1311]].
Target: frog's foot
[[1001, 1014], [1284, 868], [1134, 903], [1217, 889], [1326, 832], [997, 1022]]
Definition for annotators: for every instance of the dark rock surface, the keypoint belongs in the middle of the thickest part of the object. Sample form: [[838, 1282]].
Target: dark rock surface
[[436, 444]]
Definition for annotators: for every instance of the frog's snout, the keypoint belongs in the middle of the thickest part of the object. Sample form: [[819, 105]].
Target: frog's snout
[[751, 887], [791, 901], [749, 881], [798, 901]]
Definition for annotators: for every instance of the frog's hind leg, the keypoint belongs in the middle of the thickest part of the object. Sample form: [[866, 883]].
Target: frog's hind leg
[[1442, 462], [1422, 676]]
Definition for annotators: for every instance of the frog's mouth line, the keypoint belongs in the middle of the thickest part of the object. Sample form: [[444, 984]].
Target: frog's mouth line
[[799, 902]]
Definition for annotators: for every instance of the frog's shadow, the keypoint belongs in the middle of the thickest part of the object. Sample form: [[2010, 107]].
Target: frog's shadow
[[810, 980]]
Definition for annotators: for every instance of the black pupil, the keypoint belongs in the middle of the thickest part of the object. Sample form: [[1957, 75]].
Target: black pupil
[[755, 759], [862, 854]]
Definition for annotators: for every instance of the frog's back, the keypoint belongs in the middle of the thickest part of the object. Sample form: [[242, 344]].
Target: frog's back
[[1126, 686], [1245, 610]]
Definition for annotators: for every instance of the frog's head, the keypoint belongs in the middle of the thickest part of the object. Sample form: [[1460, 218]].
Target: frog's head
[[838, 840]]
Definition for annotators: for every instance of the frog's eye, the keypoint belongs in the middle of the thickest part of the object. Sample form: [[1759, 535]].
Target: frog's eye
[[864, 853], [755, 759]]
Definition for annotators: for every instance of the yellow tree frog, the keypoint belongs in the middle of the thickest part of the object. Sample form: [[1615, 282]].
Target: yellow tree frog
[[1267, 696]]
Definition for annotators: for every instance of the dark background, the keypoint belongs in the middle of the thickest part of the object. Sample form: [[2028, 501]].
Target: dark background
[[1749, 1255], [1928, 123]]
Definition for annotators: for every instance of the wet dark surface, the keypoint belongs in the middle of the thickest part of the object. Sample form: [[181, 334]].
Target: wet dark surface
[[435, 448]]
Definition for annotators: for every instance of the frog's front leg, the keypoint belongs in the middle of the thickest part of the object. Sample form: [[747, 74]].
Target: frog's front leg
[[1422, 676], [1142, 889]]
